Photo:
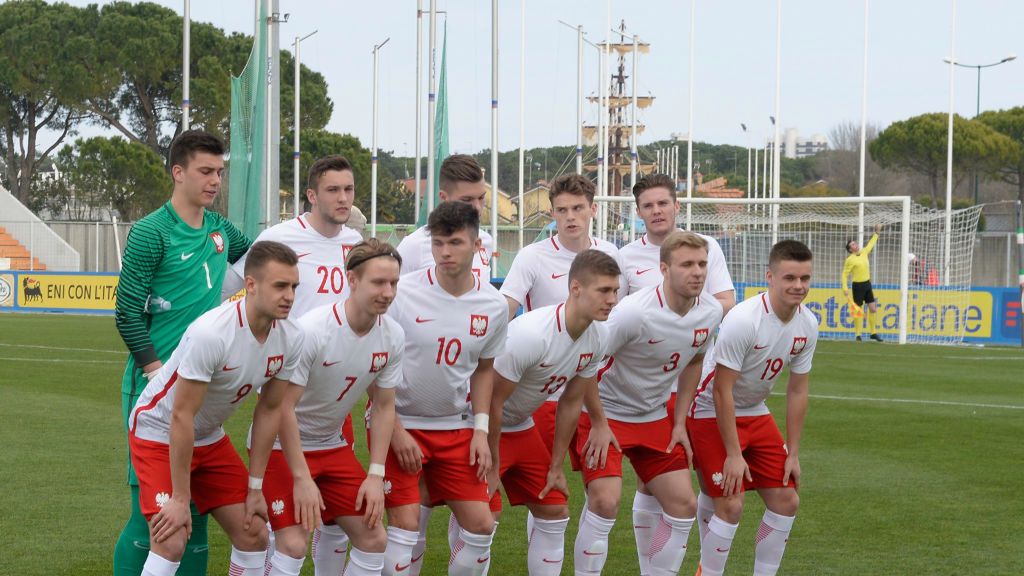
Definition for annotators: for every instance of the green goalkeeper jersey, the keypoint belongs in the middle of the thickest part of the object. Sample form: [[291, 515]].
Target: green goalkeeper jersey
[[171, 274]]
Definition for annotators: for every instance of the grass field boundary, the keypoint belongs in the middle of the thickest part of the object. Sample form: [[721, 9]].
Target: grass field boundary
[[908, 401], [60, 360], [40, 347]]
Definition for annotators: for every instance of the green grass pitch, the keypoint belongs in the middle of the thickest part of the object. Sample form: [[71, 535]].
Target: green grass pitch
[[912, 463]]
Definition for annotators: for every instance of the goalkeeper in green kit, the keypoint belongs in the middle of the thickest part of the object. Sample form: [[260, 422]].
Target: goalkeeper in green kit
[[174, 264]]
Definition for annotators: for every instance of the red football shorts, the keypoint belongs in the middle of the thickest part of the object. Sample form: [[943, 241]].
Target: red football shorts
[[523, 469], [544, 422], [218, 476], [337, 473], [643, 443], [762, 445], [446, 470]]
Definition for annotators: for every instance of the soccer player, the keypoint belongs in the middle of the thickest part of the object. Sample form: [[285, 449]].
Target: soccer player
[[178, 445], [174, 264], [736, 444], [656, 342], [349, 345], [321, 238], [455, 325], [548, 349], [858, 268], [656, 204], [460, 179]]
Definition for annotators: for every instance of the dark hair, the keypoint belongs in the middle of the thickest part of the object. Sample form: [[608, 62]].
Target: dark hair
[[451, 216], [678, 239], [185, 146], [571, 184], [459, 168], [266, 251], [591, 263], [368, 250], [848, 242], [326, 164], [654, 181], [794, 250]]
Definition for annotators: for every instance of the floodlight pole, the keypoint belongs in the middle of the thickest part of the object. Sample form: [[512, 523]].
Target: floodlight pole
[[296, 156], [373, 151]]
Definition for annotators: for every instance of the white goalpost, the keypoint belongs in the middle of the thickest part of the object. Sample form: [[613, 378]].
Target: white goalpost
[[921, 299]]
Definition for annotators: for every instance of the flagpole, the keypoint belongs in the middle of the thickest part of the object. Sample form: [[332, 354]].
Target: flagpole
[[776, 157], [494, 135], [431, 108], [419, 107], [689, 124], [373, 151], [522, 114], [186, 66]]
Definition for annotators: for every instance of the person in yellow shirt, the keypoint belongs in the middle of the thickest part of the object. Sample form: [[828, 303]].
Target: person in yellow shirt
[[858, 269]]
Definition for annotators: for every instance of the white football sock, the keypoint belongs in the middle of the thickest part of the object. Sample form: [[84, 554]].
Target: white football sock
[[770, 543], [591, 549], [398, 554], [705, 510], [471, 554], [247, 563], [282, 564], [362, 563], [646, 515], [157, 565], [330, 548], [714, 549], [547, 547], [668, 545], [421, 541]]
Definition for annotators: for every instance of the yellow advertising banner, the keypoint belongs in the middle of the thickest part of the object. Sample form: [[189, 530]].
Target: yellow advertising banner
[[86, 292], [930, 313]]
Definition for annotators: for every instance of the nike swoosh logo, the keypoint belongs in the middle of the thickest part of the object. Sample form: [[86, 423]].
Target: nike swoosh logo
[[226, 369], [543, 365], [644, 271], [187, 256], [551, 561], [422, 320], [482, 560], [416, 559], [400, 568], [653, 341], [557, 276], [635, 526], [720, 550], [299, 256], [328, 364], [589, 553], [340, 550], [756, 347]]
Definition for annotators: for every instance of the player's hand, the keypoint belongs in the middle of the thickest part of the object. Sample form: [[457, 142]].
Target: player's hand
[[371, 499], [734, 471], [493, 482], [878, 228], [407, 449], [595, 451], [792, 469], [680, 438], [556, 481], [174, 516], [308, 503], [255, 506], [846, 292], [480, 454]]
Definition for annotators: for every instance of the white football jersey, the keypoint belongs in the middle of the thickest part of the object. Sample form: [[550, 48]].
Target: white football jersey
[[755, 343], [648, 346], [541, 358], [416, 254], [336, 366], [539, 275], [641, 266], [322, 278], [445, 337], [218, 348]]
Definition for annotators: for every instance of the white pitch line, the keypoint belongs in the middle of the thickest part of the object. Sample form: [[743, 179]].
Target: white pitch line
[[909, 401], [63, 360], [62, 348], [944, 356]]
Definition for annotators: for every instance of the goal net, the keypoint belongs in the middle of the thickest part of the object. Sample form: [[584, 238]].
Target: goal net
[[923, 289]]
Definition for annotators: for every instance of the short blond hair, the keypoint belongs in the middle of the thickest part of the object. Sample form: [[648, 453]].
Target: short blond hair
[[677, 240]]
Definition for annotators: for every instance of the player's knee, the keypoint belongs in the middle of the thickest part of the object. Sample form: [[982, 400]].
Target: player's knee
[[374, 541], [290, 543], [173, 548], [404, 518], [254, 539], [730, 508], [550, 512], [787, 503], [604, 503], [478, 525], [682, 506]]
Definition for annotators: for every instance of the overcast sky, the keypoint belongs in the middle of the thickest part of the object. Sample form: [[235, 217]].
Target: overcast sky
[[734, 54]]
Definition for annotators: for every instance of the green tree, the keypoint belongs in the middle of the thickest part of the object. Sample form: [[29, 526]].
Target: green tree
[[40, 83], [918, 144], [1010, 123], [126, 176]]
